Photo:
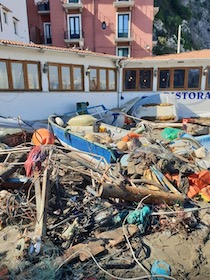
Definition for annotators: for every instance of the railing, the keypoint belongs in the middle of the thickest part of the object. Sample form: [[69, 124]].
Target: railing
[[73, 34], [47, 40], [124, 34], [42, 7]]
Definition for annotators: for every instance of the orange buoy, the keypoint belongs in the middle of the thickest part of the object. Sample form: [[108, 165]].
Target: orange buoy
[[129, 136], [43, 136]]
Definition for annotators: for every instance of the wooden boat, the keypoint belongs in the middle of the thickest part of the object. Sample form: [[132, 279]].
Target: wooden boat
[[96, 139]]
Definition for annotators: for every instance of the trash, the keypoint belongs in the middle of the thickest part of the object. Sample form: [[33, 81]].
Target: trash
[[160, 268], [42, 136]]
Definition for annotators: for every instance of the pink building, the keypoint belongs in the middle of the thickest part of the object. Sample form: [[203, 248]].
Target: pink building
[[118, 27]]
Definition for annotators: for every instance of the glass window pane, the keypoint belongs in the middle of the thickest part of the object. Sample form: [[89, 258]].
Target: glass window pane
[[179, 75], [93, 79], [65, 73], [193, 78], [123, 21], [164, 79], [33, 76], [4, 84], [145, 79], [17, 75], [74, 27], [123, 52], [53, 77], [130, 79], [102, 73], [77, 76], [112, 80]]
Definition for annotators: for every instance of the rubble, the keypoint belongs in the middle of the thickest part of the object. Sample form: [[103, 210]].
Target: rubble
[[63, 217]]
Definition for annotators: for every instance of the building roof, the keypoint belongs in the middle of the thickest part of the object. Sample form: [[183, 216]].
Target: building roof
[[45, 47], [199, 54]]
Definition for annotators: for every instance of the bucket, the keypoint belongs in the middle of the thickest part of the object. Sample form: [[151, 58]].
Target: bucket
[[82, 107], [160, 268]]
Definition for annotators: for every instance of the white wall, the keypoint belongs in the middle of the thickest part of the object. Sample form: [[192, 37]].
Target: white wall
[[16, 9]]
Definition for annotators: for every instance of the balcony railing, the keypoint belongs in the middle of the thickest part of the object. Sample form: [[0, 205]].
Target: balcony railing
[[72, 5], [124, 4], [47, 40], [43, 8], [76, 36], [124, 35]]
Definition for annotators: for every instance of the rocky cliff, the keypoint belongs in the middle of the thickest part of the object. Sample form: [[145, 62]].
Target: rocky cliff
[[191, 15]]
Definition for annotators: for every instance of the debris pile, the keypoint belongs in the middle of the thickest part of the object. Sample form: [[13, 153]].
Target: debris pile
[[64, 217]]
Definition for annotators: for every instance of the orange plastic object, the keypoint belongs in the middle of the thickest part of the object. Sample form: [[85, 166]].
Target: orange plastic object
[[129, 136], [197, 182], [205, 193], [42, 136]]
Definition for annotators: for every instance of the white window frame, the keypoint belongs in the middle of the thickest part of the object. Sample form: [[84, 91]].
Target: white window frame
[[46, 33], [5, 16], [80, 25], [79, 1], [124, 47], [129, 23], [15, 25]]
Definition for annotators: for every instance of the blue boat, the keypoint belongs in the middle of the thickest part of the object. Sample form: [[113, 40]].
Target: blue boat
[[73, 137]]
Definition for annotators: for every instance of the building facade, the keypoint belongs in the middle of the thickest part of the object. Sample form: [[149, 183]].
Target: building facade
[[118, 27], [14, 21]]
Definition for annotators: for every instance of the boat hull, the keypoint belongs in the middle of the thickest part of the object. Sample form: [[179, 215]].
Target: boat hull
[[76, 142]]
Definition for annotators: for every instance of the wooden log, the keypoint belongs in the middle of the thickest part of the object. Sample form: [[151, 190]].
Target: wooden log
[[130, 193], [81, 250], [116, 236]]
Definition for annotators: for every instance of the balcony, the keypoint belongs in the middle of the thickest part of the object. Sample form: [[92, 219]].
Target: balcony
[[74, 37], [72, 5], [47, 40], [124, 36], [43, 7], [123, 4]]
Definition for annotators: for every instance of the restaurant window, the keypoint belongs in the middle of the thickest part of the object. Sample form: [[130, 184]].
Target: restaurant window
[[145, 76], [179, 78], [102, 79], [20, 75], [4, 81], [164, 79], [138, 80], [207, 73], [193, 78], [65, 77]]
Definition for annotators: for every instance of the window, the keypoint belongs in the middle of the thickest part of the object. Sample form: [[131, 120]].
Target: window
[[47, 33], [207, 71], [65, 77], [4, 81], [123, 51], [102, 79], [19, 75], [164, 79], [74, 27], [179, 78], [15, 25], [73, 1], [5, 17], [123, 26], [138, 79]]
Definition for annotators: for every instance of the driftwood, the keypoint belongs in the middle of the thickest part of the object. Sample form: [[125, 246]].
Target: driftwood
[[7, 170], [131, 193]]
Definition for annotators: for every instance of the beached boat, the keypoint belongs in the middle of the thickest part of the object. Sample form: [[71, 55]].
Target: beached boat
[[85, 130]]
